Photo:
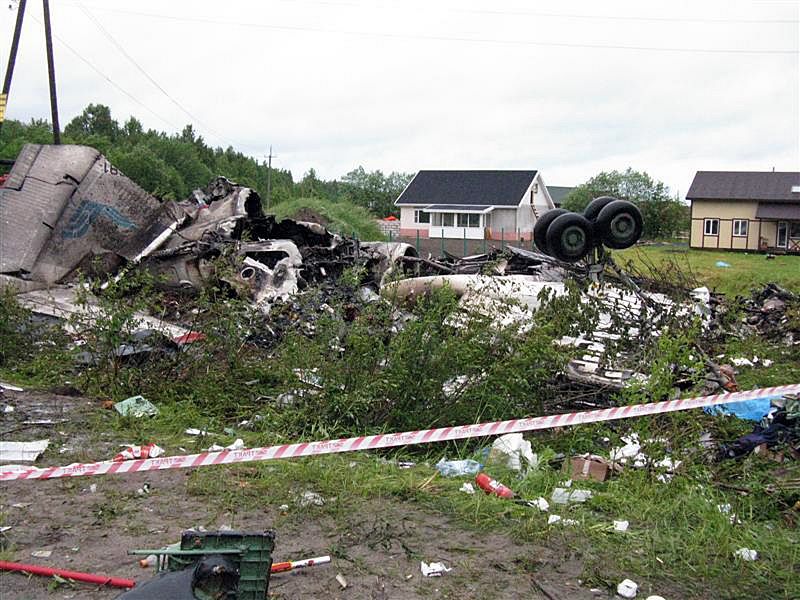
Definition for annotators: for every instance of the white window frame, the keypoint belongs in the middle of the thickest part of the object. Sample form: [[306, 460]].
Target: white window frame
[[451, 217], [418, 213], [713, 229], [740, 227], [466, 220]]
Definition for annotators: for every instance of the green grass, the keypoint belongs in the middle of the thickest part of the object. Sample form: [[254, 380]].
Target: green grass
[[342, 217], [678, 544], [747, 271]]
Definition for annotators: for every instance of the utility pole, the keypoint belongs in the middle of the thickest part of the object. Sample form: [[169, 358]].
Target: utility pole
[[269, 175], [51, 72], [12, 59]]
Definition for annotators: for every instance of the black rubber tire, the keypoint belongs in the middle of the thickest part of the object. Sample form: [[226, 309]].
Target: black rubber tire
[[619, 224], [570, 237], [595, 206], [541, 225]]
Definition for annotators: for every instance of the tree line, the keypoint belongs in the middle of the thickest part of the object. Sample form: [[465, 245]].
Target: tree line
[[664, 216], [171, 166]]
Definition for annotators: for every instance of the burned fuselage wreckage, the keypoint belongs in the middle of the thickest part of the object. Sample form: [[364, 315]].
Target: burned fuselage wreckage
[[65, 210]]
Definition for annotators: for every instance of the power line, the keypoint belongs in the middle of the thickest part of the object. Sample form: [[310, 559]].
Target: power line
[[122, 50], [629, 17], [107, 78], [441, 38], [596, 17]]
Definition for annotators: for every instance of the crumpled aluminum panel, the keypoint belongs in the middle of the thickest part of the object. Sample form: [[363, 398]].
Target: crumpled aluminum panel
[[67, 204]]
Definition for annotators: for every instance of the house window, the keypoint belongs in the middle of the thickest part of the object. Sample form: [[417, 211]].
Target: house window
[[421, 216], [740, 227], [469, 220], [711, 226], [448, 219]]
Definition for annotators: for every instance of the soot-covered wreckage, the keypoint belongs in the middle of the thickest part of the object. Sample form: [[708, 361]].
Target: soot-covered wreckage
[[66, 210]]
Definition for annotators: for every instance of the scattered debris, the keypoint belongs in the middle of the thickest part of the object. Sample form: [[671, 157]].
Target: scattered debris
[[566, 496], [308, 498], [292, 565], [511, 449], [627, 588], [236, 445], [22, 451], [434, 569], [540, 503], [621, 526], [491, 486], [458, 468], [136, 452], [592, 466], [746, 554], [725, 509], [467, 488], [136, 406], [9, 387], [553, 519], [41, 553], [63, 574], [341, 580], [195, 431], [768, 314], [722, 264], [779, 424]]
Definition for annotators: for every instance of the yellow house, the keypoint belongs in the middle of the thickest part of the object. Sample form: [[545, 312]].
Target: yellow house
[[745, 210]]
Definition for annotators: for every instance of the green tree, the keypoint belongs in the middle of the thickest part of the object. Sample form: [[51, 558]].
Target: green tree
[[95, 120], [374, 190], [664, 216]]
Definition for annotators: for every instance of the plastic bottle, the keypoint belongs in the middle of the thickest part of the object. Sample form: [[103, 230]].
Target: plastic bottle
[[490, 486]]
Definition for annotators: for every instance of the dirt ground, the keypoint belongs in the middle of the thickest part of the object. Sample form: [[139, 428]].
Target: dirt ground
[[376, 545]]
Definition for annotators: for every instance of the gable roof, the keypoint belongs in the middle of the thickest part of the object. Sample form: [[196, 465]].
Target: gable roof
[[558, 193], [745, 185], [496, 188]]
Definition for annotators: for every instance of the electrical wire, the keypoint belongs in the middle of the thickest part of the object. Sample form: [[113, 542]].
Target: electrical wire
[[106, 77], [122, 50], [441, 38], [628, 17]]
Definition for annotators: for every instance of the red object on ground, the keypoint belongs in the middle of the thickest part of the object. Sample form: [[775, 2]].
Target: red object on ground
[[189, 338], [74, 575], [390, 218], [139, 452], [490, 486], [3, 179]]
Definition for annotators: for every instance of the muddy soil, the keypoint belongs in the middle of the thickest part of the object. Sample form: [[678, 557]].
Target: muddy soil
[[89, 523]]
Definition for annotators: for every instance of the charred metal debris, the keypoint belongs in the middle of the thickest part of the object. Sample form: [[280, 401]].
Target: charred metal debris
[[66, 210]]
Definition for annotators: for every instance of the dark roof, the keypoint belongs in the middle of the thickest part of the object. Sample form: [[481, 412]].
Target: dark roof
[[558, 193], [503, 188], [745, 185], [778, 210], [457, 207]]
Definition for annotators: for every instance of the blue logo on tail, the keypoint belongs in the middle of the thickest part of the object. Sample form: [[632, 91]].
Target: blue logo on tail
[[88, 212]]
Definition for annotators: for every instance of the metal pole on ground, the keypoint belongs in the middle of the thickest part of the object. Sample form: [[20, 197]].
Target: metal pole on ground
[[417, 244], [465, 242]]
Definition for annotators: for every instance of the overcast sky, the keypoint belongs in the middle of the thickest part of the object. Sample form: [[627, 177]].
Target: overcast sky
[[569, 87]]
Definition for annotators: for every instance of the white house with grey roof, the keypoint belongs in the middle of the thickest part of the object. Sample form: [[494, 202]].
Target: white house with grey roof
[[473, 205]]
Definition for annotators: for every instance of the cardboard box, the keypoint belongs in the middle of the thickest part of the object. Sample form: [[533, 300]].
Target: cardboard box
[[589, 467]]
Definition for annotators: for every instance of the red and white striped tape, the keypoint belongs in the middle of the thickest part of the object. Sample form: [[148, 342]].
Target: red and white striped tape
[[389, 440]]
